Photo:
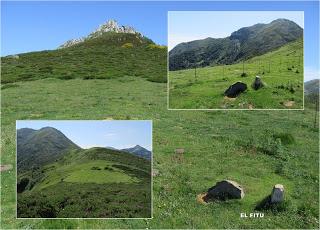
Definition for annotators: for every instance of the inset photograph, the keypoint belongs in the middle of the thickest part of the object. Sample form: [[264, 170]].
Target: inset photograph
[[235, 60], [84, 169]]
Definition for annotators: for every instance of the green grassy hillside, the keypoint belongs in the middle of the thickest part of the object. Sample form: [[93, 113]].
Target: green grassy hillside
[[281, 71], [97, 182], [111, 55], [258, 149]]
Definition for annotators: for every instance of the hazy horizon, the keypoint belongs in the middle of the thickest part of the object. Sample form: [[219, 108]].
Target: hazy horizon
[[89, 134]]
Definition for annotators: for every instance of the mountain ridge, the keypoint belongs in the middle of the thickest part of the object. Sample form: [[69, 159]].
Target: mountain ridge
[[242, 44], [139, 151], [42, 146], [135, 150]]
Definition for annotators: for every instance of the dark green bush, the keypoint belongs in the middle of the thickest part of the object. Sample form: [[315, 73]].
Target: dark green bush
[[95, 168], [22, 184], [286, 138]]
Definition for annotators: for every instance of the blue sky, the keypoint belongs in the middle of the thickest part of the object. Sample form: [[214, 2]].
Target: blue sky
[[34, 26], [87, 134], [184, 26]]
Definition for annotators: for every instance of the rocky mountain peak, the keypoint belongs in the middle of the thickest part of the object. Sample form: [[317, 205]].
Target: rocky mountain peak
[[109, 26], [113, 26]]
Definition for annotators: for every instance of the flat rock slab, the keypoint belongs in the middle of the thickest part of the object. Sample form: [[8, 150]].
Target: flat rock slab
[[224, 190], [5, 168], [235, 89]]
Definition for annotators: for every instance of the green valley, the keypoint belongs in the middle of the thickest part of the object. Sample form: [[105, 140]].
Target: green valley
[[91, 183]]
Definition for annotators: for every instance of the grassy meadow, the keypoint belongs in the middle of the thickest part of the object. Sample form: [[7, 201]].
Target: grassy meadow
[[258, 149], [281, 71]]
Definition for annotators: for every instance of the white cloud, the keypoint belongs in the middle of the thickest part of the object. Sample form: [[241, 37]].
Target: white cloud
[[110, 134]]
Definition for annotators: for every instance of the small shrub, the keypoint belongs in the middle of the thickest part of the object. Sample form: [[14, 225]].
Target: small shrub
[[8, 85], [88, 77], [289, 68], [267, 143], [279, 168], [271, 146], [95, 168], [46, 211], [66, 77], [26, 76], [155, 46], [23, 183], [292, 89], [46, 69], [244, 75], [297, 71], [127, 45], [286, 138]]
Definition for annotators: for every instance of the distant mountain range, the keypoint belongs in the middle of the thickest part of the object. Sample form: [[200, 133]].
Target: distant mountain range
[[242, 44], [46, 145], [139, 151], [311, 87], [136, 150], [311, 91]]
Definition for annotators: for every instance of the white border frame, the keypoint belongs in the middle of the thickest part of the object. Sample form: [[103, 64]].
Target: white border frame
[[168, 79], [85, 218]]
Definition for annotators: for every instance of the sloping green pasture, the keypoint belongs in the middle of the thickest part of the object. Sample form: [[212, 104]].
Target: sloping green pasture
[[255, 148], [280, 70]]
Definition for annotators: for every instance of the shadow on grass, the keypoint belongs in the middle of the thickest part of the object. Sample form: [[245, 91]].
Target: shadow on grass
[[266, 204]]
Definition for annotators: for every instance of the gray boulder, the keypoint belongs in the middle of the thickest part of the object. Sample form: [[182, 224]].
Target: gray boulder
[[277, 195], [224, 190], [257, 84]]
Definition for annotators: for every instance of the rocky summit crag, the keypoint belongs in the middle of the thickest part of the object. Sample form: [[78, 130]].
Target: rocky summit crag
[[110, 26]]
